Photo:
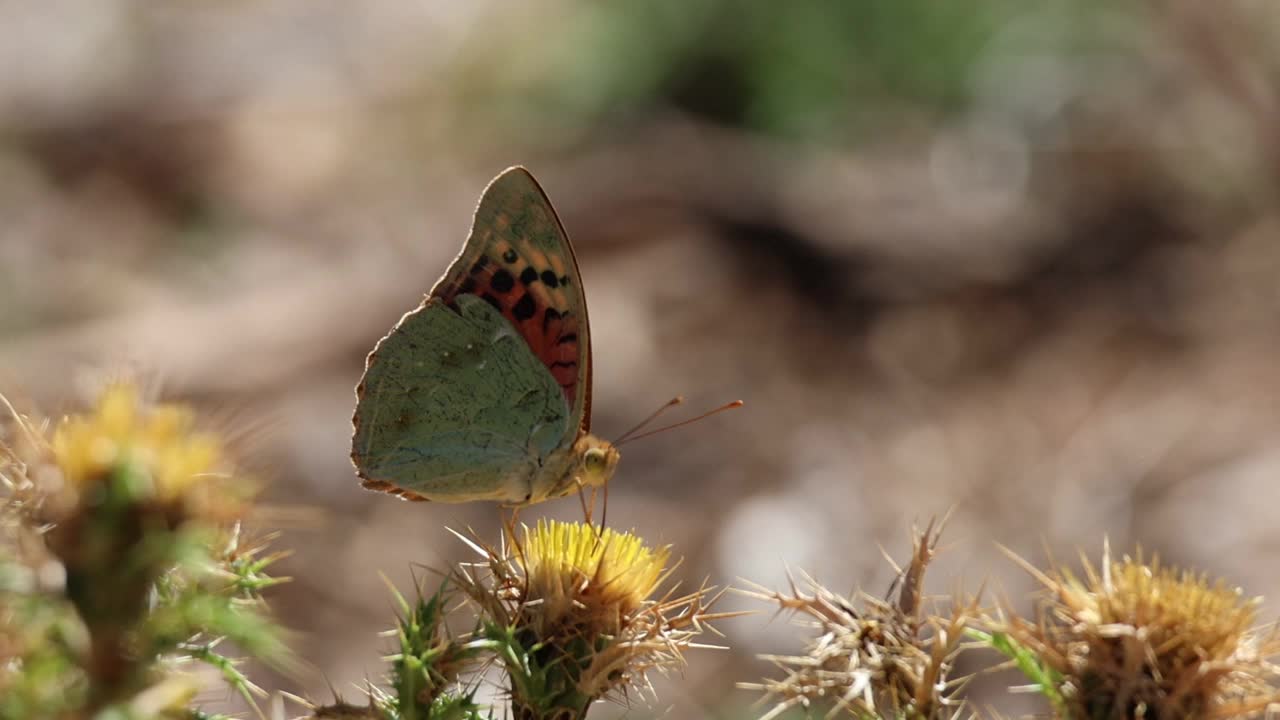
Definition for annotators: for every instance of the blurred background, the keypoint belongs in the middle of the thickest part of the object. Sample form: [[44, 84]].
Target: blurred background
[[1014, 259]]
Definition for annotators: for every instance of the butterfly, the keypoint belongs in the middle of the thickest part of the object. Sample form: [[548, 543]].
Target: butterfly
[[484, 391]]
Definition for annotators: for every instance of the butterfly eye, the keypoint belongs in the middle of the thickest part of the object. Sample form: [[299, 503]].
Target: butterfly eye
[[594, 459]]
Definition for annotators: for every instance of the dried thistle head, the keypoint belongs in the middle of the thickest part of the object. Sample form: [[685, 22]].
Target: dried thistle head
[[574, 613], [871, 658], [1138, 639], [25, 466]]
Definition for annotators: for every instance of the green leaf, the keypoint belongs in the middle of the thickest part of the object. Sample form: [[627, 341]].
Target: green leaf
[[1044, 677]]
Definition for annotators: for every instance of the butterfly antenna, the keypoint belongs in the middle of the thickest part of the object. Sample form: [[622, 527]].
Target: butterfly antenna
[[682, 423], [652, 416]]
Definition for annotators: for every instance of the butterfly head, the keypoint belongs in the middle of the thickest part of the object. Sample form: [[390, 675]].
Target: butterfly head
[[596, 460]]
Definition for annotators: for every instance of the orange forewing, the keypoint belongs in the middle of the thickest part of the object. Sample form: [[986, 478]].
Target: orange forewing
[[518, 259]]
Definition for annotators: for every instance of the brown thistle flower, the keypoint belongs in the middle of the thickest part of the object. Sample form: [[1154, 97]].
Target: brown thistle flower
[[871, 658], [1135, 639], [571, 611]]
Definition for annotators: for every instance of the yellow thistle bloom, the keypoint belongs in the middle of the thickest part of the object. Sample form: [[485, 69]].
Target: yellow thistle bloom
[[158, 444], [575, 570], [577, 613]]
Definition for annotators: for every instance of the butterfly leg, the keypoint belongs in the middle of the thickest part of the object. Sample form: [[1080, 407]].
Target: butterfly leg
[[588, 509], [594, 492], [517, 547], [515, 515], [604, 512], [582, 500]]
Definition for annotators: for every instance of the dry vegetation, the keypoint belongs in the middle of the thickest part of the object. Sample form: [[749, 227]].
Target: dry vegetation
[[1017, 260]]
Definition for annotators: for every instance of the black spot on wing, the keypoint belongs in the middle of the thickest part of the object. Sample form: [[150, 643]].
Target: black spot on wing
[[525, 307], [510, 255], [529, 276], [502, 281], [468, 285], [571, 337], [495, 302], [550, 279], [548, 317]]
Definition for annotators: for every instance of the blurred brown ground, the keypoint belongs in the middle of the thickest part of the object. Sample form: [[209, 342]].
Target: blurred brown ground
[[1045, 297]]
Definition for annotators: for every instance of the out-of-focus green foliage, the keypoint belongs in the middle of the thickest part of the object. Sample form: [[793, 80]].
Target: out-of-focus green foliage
[[59, 663], [824, 71]]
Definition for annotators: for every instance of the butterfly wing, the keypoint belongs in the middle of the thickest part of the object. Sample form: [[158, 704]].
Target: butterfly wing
[[454, 407], [470, 395], [519, 260]]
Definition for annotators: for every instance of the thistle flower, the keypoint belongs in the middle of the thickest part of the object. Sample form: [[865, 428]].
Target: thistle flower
[[871, 658], [585, 580], [572, 616], [110, 518], [1137, 639], [153, 452], [133, 477]]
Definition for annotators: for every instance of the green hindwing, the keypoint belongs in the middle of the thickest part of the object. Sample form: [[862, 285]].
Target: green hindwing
[[454, 407]]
